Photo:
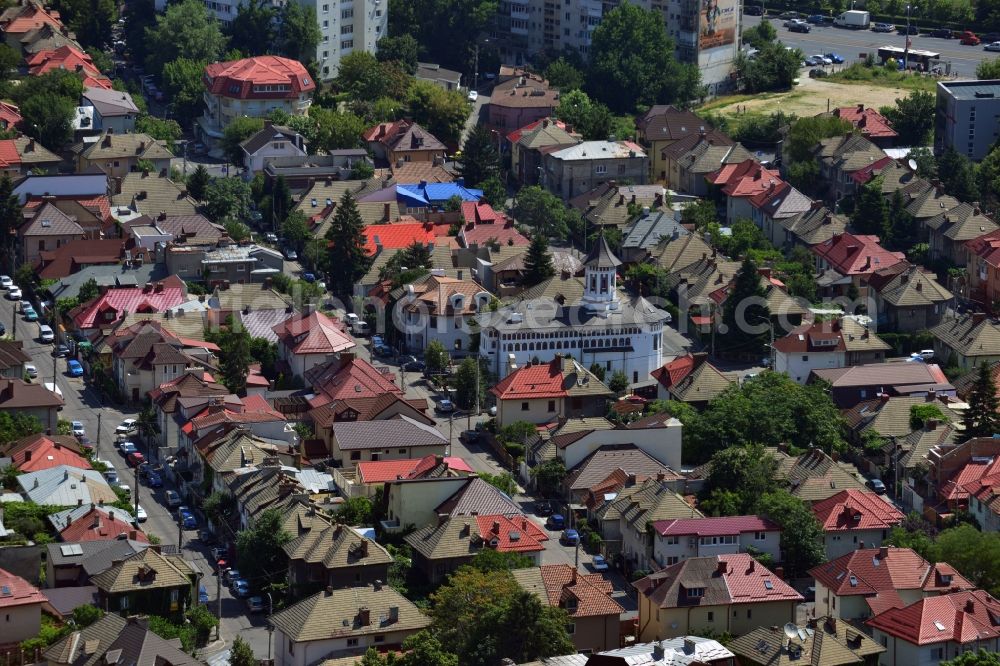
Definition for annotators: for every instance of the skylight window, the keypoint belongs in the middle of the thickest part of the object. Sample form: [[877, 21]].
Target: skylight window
[[768, 585], [938, 625]]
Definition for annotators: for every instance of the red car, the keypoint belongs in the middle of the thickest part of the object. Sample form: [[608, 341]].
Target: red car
[[135, 459], [969, 38]]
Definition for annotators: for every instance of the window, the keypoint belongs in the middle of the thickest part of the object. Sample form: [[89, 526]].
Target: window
[[352, 642], [326, 24], [117, 163], [326, 8], [123, 604], [402, 452], [621, 168], [672, 560], [291, 648], [695, 592], [759, 536], [601, 169], [805, 357], [570, 628], [672, 540], [524, 406], [355, 455], [937, 654], [711, 616], [552, 405], [380, 638], [241, 267], [749, 613], [347, 29], [347, 13]]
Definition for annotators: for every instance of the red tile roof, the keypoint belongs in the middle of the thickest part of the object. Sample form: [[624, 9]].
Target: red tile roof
[[9, 157], [871, 123], [870, 170], [532, 382], [398, 236], [18, 592], [237, 78], [962, 617], [76, 254], [970, 479], [673, 372], [65, 57], [380, 471], [10, 115], [515, 534], [714, 526], [313, 333], [514, 136], [744, 179], [33, 16], [723, 579], [254, 409], [483, 224], [38, 452], [355, 378], [106, 309], [987, 247], [592, 592], [856, 510], [850, 254], [880, 573], [101, 525]]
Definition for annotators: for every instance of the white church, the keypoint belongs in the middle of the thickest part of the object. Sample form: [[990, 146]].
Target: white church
[[586, 318]]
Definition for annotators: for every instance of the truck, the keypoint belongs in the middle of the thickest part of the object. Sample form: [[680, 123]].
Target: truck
[[854, 19]]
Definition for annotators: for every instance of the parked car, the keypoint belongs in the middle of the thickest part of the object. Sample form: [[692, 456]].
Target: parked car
[[599, 563], [412, 364], [154, 480], [789, 15], [556, 521], [913, 30], [468, 436], [241, 589], [127, 447], [187, 518], [473, 95], [792, 21], [85, 443], [883, 27], [255, 605], [822, 59], [942, 33], [818, 73], [229, 576], [14, 293], [78, 428], [31, 370], [570, 537], [219, 553], [876, 486], [969, 38], [29, 312], [126, 427], [835, 58], [926, 354], [543, 508], [753, 10], [74, 368], [990, 37], [444, 406], [140, 514], [3, 329], [60, 351], [800, 27], [135, 459], [382, 350], [6, 282], [291, 254], [818, 19], [172, 498], [992, 46], [202, 595], [271, 237], [308, 277]]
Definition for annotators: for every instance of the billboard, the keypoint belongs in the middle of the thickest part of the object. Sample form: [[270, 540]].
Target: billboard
[[717, 23]]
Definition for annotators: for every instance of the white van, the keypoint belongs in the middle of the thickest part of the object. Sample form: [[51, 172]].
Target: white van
[[45, 333], [351, 318], [361, 328]]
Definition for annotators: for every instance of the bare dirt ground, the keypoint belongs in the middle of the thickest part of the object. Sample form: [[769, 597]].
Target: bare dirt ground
[[810, 97]]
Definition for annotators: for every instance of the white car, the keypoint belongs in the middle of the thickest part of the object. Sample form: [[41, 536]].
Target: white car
[[31, 370], [78, 429], [14, 293], [992, 46], [126, 427], [819, 57], [6, 282], [140, 514], [172, 498], [473, 95]]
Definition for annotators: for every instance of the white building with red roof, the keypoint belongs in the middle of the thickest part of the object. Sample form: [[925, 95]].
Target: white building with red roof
[[373, 474], [870, 123], [681, 538], [936, 629], [106, 310], [836, 343], [482, 225], [20, 610], [546, 392], [854, 256], [869, 581], [741, 182], [309, 338], [253, 87], [349, 377], [441, 308], [854, 519], [37, 452]]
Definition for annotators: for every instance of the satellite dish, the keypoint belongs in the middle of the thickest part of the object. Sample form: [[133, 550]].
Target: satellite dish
[[912, 163], [791, 630]]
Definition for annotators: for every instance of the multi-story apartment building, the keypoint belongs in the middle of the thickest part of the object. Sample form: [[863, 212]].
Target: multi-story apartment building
[[967, 117], [707, 36]]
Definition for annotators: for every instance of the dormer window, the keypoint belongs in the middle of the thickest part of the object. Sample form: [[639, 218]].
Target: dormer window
[[695, 592]]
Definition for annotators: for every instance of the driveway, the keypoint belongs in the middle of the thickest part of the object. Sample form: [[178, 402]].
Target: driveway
[[474, 117]]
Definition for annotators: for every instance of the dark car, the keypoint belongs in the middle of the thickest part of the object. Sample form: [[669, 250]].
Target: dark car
[[3, 330], [202, 595], [154, 480], [818, 19], [556, 521], [942, 33], [876, 486], [990, 37], [753, 10], [469, 436], [543, 508], [799, 27], [413, 364], [308, 277], [570, 537], [60, 351], [913, 30]]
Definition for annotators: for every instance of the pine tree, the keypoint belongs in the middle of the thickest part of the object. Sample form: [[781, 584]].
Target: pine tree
[[281, 200], [198, 182], [480, 159], [10, 219], [981, 418], [538, 261], [348, 258], [871, 214], [746, 286], [241, 654]]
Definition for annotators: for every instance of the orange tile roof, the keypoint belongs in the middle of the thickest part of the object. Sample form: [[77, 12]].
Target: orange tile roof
[[101, 525], [871, 123], [516, 534], [38, 452], [31, 17], [534, 382], [592, 592], [745, 179], [397, 236], [21, 592], [962, 617], [313, 333], [854, 509], [851, 254], [243, 75]]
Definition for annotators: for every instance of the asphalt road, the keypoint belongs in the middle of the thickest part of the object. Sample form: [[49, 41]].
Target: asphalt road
[[852, 43]]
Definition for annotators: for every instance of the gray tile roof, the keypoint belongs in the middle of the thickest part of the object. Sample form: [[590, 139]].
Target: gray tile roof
[[602, 462], [110, 103], [479, 497], [151, 195], [65, 486], [50, 221], [969, 337], [404, 431], [115, 640]]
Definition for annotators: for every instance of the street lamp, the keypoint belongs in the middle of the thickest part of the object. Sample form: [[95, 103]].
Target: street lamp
[[906, 45]]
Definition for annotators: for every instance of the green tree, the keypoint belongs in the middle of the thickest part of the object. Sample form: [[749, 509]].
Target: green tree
[[958, 175], [10, 221], [504, 482], [9, 60], [89, 20], [197, 183], [912, 117], [235, 358], [480, 159], [259, 550], [745, 310], [236, 132], [185, 30], [549, 476], [801, 533], [981, 418], [403, 49], [227, 198], [618, 382], [447, 30], [760, 35], [147, 424], [49, 118], [632, 62], [182, 79], [975, 554], [84, 616], [773, 68], [597, 370], [163, 129], [806, 132], [700, 214], [407, 265], [980, 658], [538, 260], [871, 212], [436, 357], [541, 210], [988, 69], [336, 129], [88, 291], [494, 191], [468, 394], [252, 30], [355, 511], [299, 32], [442, 112], [139, 15], [747, 470], [561, 74], [902, 225], [348, 259], [281, 201], [241, 654], [423, 649], [295, 230]]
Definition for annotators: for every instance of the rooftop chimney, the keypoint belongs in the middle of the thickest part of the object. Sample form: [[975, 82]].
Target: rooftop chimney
[[721, 568], [364, 616], [883, 552]]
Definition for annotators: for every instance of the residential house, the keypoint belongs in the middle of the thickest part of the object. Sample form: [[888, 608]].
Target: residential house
[[953, 467], [147, 582], [75, 255], [34, 453], [72, 564], [387, 405], [823, 641], [65, 486], [864, 382], [662, 126], [223, 262], [113, 110], [568, 172], [183, 229], [26, 16], [20, 609], [253, 413], [12, 358], [17, 395], [856, 258], [411, 503], [812, 227], [950, 231], [606, 471], [403, 141], [111, 306], [690, 159], [908, 298], [983, 268], [118, 154], [834, 343], [91, 211], [147, 356], [547, 392], [390, 439], [270, 142], [94, 522], [648, 231], [615, 205], [224, 450], [22, 155], [253, 87], [691, 379], [349, 377], [114, 638], [438, 75], [519, 101], [301, 173], [680, 651], [854, 519], [890, 416], [967, 341], [194, 383], [10, 116], [939, 628], [69, 57], [483, 226], [725, 593], [374, 474], [867, 581], [420, 198], [870, 124], [528, 144], [594, 616], [442, 547], [682, 538], [141, 193], [322, 554], [310, 338], [442, 309], [364, 617], [777, 208], [742, 183], [847, 162], [658, 435], [48, 228], [926, 201]]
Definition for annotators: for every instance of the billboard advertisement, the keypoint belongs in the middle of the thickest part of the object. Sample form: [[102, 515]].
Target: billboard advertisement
[[717, 23]]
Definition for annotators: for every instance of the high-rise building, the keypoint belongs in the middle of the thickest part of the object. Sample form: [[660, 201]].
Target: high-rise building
[[706, 33]]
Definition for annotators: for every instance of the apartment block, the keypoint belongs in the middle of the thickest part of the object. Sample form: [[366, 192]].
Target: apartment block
[[968, 117]]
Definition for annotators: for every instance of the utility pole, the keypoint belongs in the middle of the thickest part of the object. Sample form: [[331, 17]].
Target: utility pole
[[137, 497], [218, 597], [906, 45], [97, 441], [475, 75]]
